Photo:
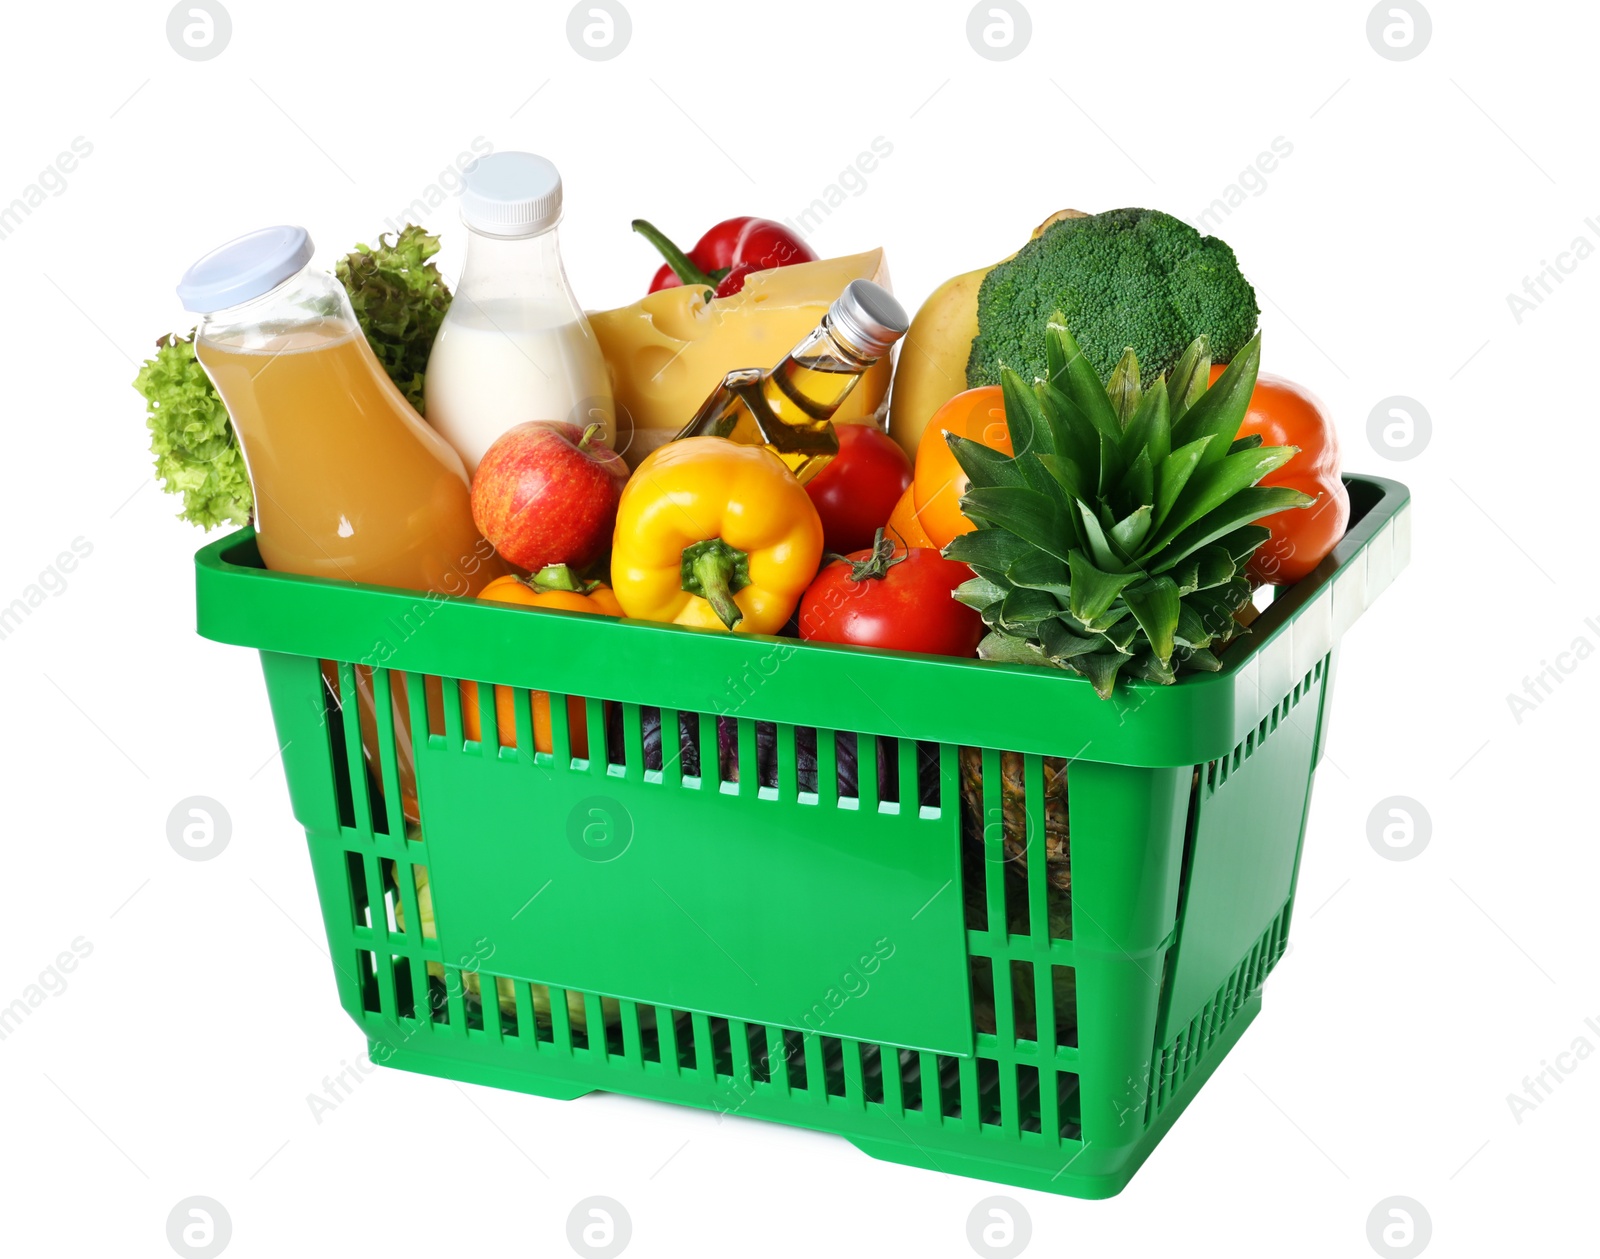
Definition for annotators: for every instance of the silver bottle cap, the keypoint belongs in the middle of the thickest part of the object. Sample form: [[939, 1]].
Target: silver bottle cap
[[867, 316]]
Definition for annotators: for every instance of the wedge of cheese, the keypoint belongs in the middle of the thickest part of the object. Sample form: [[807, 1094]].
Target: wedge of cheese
[[670, 349]]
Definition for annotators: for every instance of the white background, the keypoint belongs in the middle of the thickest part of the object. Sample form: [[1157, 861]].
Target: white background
[[1418, 994]]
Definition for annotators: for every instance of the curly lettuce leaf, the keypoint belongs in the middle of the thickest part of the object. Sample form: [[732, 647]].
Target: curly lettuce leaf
[[195, 452], [400, 299]]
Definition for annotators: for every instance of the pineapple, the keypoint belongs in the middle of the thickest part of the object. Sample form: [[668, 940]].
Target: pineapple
[[1013, 822], [1114, 541], [1013, 812]]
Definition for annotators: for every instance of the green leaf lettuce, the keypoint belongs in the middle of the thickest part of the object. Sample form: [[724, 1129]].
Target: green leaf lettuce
[[400, 299], [190, 436]]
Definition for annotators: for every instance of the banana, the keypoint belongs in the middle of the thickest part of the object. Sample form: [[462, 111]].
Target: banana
[[933, 358]]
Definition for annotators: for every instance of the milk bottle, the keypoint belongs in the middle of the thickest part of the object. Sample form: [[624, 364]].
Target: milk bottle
[[515, 345]]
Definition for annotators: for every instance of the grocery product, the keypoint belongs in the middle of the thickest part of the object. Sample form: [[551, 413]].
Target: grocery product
[[789, 408], [191, 437], [398, 297], [1284, 414], [1133, 277], [859, 488], [349, 482], [1117, 539], [553, 588], [515, 345], [892, 597], [714, 534], [1138, 278], [905, 526], [933, 362], [978, 414], [670, 349], [726, 255], [546, 493]]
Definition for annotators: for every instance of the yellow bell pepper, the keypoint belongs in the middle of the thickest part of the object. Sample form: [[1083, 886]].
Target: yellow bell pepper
[[714, 534]]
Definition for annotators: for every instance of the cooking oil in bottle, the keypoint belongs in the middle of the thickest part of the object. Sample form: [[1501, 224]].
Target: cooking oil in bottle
[[789, 408]]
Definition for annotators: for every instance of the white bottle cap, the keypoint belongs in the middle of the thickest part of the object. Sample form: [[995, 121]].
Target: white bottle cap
[[511, 194], [244, 268]]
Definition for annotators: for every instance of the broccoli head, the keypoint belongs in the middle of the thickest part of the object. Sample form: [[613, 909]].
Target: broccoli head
[[1136, 278]]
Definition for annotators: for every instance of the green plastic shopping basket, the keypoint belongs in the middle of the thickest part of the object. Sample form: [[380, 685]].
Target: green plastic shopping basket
[[966, 915]]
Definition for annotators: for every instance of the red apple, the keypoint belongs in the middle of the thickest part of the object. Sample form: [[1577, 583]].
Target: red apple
[[546, 493]]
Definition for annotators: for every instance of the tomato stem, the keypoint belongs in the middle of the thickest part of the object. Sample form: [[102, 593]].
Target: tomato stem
[[877, 565]]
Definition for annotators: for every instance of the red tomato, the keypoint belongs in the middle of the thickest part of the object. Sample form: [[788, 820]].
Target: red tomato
[[858, 489], [908, 608]]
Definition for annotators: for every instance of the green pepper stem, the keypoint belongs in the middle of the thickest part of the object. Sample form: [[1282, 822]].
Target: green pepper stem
[[715, 571], [712, 572], [559, 577], [679, 261]]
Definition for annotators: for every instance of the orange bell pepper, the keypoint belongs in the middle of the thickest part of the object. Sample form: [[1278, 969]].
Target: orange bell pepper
[[939, 482], [553, 587], [1284, 414], [904, 525]]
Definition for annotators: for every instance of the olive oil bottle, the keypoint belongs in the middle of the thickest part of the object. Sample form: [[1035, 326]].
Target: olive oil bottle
[[789, 408]]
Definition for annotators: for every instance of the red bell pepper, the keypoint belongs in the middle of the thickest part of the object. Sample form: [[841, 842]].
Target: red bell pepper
[[726, 254], [1283, 414]]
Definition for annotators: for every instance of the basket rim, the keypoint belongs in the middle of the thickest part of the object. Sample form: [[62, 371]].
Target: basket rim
[[972, 702]]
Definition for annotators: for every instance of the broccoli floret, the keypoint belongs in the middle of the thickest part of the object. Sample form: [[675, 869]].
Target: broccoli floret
[[1125, 277]]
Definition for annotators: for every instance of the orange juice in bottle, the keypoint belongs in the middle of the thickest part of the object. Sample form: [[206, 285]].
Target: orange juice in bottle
[[350, 483]]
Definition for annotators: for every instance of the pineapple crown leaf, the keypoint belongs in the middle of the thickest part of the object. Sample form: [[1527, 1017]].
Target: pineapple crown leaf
[[1114, 537]]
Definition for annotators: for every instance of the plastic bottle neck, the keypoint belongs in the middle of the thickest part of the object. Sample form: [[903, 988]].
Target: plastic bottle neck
[[519, 268]]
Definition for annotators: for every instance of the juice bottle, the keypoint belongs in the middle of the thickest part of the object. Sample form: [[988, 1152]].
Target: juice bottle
[[515, 345], [788, 408], [349, 482]]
